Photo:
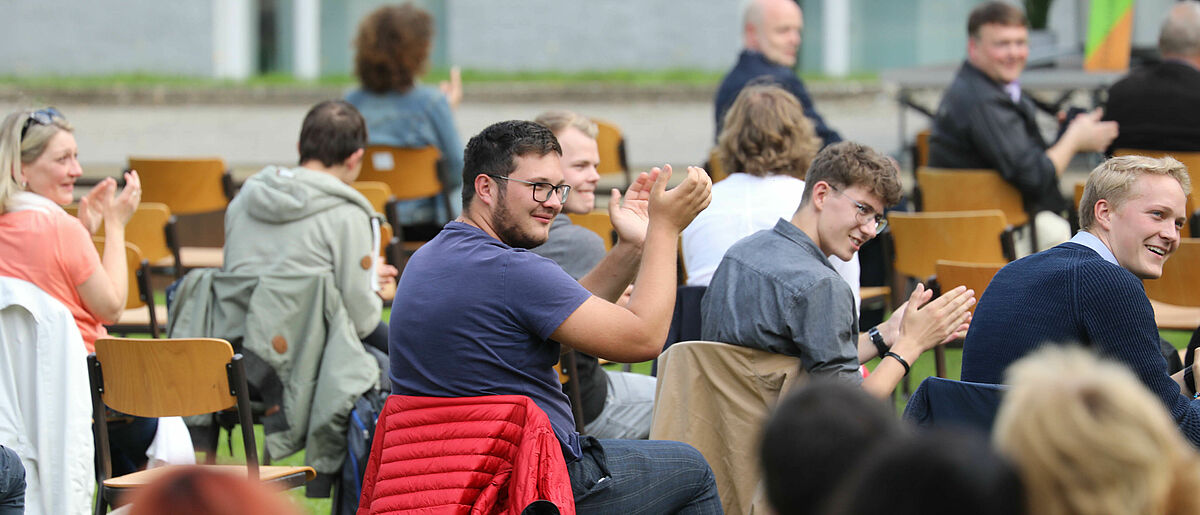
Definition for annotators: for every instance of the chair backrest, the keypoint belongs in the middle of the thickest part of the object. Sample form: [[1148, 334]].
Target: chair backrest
[[166, 377], [377, 193], [944, 189], [715, 397], [171, 377], [716, 169], [137, 273], [597, 222], [187, 186], [1180, 281], [147, 229], [611, 144], [922, 148], [946, 402], [410, 173], [920, 239], [975, 276]]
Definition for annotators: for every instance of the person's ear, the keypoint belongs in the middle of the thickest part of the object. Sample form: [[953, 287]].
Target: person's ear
[[820, 193], [1103, 211], [355, 160], [486, 189]]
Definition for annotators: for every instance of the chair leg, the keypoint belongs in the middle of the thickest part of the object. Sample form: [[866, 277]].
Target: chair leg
[[101, 503], [939, 356]]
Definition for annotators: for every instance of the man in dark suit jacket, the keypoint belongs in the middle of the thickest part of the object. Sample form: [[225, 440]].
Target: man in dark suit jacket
[[1158, 105], [985, 121], [771, 38]]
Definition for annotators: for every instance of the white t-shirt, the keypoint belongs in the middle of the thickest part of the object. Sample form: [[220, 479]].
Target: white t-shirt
[[742, 205]]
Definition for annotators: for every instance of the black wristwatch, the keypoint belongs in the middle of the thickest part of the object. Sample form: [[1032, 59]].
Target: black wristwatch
[[1189, 381], [881, 348]]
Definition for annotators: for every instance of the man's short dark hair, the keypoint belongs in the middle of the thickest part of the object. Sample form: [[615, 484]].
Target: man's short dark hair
[[815, 437], [332, 131], [994, 13], [847, 164], [494, 151]]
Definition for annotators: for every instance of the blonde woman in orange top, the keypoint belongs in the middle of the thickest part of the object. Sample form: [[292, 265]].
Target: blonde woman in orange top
[[40, 242]]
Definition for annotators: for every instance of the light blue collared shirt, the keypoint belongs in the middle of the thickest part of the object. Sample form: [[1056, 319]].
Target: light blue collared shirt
[[1090, 241]]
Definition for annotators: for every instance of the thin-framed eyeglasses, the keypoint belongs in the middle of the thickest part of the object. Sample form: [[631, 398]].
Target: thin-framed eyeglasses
[[41, 117], [865, 213], [541, 190]]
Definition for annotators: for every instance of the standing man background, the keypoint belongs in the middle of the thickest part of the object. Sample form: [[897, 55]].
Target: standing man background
[[770, 40], [985, 121]]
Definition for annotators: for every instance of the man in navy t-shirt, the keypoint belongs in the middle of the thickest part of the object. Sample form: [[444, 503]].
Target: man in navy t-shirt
[[477, 314]]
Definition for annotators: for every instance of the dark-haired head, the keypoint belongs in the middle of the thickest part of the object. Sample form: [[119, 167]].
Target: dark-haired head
[[936, 472], [332, 131], [494, 151], [815, 436]]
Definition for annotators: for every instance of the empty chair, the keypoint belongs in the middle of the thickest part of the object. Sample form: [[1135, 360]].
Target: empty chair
[[410, 174], [611, 144], [921, 239], [196, 191], [944, 189], [174, 377]]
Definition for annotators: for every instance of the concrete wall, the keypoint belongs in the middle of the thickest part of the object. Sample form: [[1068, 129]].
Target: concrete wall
[[88, 37]]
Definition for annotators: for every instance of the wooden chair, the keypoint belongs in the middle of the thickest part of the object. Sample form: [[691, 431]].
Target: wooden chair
[[715, 169], [1192, 161], [173, 377], [921, 149], [410, 174], [141, 314], [154, 230], [598, 222], [921, 239], [1176, 295], [196, 191], [378, 194], [611, 144], [975, 276], [944, 189]]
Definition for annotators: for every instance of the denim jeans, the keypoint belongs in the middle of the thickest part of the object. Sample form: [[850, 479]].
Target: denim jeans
[[12, 482], [642, 476]]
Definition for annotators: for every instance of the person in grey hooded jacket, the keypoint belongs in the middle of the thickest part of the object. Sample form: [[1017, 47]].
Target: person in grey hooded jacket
[[309, 219]]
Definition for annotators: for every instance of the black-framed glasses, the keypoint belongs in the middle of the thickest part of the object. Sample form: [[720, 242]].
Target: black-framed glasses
[[865, 213], [41, 117], [541, 190]]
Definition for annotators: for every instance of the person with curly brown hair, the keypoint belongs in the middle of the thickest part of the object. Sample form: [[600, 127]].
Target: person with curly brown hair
[[391, 54]]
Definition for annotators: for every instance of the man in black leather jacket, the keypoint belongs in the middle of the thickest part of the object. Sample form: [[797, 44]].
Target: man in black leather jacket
[[984, 121]]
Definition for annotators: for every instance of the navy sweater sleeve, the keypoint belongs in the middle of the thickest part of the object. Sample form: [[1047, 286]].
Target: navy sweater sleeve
[[1120, 323]]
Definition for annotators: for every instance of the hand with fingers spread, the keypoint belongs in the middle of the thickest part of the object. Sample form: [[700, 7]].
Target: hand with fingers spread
[[680, 205], [630, 214], [927, 324]]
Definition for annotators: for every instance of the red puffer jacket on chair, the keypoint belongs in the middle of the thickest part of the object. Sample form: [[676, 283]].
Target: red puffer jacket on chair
[[463, 455]]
